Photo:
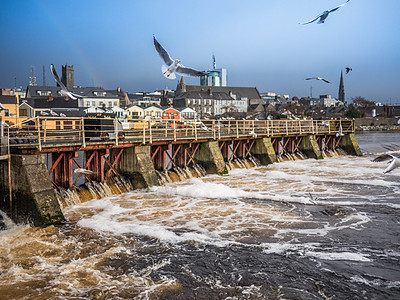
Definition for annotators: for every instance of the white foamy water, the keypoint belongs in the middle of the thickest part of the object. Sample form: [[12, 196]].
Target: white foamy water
[[247, 204]]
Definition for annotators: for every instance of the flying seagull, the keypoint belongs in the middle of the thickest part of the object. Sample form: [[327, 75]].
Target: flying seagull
[[393, 160], [64, 91], [348, 70], [84, 171], [340, 132], [317, 78], [325, 14], [173, 66]]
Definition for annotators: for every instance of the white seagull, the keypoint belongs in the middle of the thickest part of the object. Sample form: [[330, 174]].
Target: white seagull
[[393, 160], [317, 78], [64, 91], [325, 14], [340, 133], [173, 66], [84, 171]]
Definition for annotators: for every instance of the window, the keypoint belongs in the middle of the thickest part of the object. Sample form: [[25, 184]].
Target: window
[[188, 102], [58, 127], [23, 113], [93, 103], [109, 103], [175, 114]]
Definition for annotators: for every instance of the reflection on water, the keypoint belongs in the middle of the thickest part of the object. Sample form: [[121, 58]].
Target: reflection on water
[[305, 229]]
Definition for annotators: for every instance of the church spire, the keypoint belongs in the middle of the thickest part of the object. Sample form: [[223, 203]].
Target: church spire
[[181, 87], [341, 89]]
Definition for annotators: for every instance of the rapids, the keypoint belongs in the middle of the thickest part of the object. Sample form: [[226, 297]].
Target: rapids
[[297, 229]]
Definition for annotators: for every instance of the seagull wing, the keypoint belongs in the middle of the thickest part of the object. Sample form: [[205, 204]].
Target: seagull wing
[[57, 79], [313, 20], [325, 80], [162, 52], [182, 70], [337, 7], [311, 78], [383, 157], [76, 96]]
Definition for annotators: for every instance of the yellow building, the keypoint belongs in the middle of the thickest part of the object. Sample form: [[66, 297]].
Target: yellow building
[[9, 109]]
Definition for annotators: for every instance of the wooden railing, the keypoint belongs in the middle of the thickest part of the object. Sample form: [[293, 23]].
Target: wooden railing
[[52, 131]]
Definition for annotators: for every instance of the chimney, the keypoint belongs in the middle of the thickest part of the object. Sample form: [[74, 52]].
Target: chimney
[[210, 91], [50, 98]]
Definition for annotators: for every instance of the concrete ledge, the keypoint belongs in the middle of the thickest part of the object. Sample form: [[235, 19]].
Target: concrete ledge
[[310, 148], [34, 198], [350, 145], [211, 158], [264, 151], [138, 167]]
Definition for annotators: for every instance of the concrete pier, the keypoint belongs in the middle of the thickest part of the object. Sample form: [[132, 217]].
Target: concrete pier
[[310, 148], [211, 158], [138, 167], [264, 151], [350, 145], [34, 197]]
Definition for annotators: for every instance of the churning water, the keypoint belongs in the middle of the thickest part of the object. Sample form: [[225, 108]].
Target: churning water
[[304, 229]]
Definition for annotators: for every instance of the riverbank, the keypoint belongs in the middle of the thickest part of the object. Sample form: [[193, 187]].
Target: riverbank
[[377, 124]]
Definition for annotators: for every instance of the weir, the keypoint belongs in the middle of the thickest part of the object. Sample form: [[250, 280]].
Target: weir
[[43, 165]]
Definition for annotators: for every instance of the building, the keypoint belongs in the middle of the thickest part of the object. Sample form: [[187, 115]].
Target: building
[[212, 101], [171, 113], [91, 96], [322, 101], [67, 76], [215, 77], [9, 109]]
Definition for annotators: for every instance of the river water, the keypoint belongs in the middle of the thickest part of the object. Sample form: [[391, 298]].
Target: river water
[[304, 229]]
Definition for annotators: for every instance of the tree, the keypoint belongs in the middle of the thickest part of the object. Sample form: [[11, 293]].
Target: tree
[[362, 102], [352, 112]]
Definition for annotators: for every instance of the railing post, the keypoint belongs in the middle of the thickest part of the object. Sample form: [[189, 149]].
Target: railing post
[[116, 130], [174, 131], [237, 129], [45, 130], [299, 126], [254, 130], [312, 126], [195, 130], [144, 131], [213, 128], [38, 127], [287, 130], [219, 129], [150, 132], [229, 127], [9, 174], [83, 132]]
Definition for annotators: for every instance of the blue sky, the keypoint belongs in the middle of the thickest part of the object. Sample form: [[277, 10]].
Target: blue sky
[[259, 42]]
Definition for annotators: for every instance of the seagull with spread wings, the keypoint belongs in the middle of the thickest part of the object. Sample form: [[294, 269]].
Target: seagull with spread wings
[[393, 160], [317, 78], [64, 91], [325, 14], [174, 66]]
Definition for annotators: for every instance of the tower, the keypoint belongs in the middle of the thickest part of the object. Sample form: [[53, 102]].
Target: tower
[[215, 77], [67, 76], [181, 87], [32, 78], [341, 95]]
